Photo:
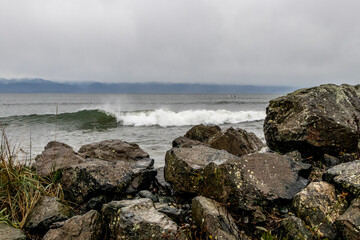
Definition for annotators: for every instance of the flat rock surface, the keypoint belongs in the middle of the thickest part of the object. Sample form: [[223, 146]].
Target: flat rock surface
[[111, 150], [85, 227], [346, 176], [10, 233], [315, 120]]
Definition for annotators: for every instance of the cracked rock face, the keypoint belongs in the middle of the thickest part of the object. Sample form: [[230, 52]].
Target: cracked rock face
[[138, 220], [213, 218], [316, 120], [246, 182], [348, 224]]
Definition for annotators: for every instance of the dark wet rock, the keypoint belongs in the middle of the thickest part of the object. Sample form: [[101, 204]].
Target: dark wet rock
[[10, 233], [348, 224], [149, 195], [184, 142], [138, 220], [236, 141], [346, 176], [314, 121], [97, 177], [160, 179], [112, 150], [202, 133], [295, 229], [85, 227], [56, 156], [172, 212], [47, 211], [250, 181], [331, 161], [213, 218], [319, 206]]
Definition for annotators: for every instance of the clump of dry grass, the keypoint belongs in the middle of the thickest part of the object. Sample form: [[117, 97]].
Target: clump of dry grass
[[20, 186]]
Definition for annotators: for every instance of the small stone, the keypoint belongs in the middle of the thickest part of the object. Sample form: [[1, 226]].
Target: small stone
[[149, 195]]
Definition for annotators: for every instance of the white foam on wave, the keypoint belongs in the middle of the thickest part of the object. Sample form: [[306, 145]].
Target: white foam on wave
[[167, 118]]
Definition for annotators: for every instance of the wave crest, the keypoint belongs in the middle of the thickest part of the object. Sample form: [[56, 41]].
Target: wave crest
[[167, 118]]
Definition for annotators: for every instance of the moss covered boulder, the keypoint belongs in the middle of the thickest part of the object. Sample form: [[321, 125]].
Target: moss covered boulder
[[315, 120], [202, 132]]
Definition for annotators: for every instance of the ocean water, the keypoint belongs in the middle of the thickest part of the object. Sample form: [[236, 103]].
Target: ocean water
[[30, 121]]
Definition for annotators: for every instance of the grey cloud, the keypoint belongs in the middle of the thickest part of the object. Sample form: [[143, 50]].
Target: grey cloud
[[282, 42]]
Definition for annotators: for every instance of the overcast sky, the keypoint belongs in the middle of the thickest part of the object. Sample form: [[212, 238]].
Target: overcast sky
[[259, 42]]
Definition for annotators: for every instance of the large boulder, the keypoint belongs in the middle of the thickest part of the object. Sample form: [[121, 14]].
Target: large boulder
[[202, 133], [85, 227], [348, 224], [246, 182], [319, 206], [97, 177], [345, 176], [213, 218], [236, 141], [138, 220], [10, 233], [315, 120], [113, 150], [47, 211], [56, 156]]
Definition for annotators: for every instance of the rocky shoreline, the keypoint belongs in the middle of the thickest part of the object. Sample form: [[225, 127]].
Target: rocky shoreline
[[216, 183]]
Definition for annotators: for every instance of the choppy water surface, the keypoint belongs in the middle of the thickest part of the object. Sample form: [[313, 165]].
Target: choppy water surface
[[152, 121]]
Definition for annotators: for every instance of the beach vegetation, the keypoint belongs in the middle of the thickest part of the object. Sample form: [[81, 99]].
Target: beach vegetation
[[20, 186]]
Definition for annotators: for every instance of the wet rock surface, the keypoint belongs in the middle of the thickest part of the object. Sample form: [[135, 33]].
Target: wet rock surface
[[213, 218], [47, 211], [346, 176], [56, 156], [246, 182], [236, 141], [138, 220], [10, 233], [314, 120], [319, 206], [85, 227], [113, 150], [348, 224]]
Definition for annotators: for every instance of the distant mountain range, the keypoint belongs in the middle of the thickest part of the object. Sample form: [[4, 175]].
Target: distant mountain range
[[37, 85]]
